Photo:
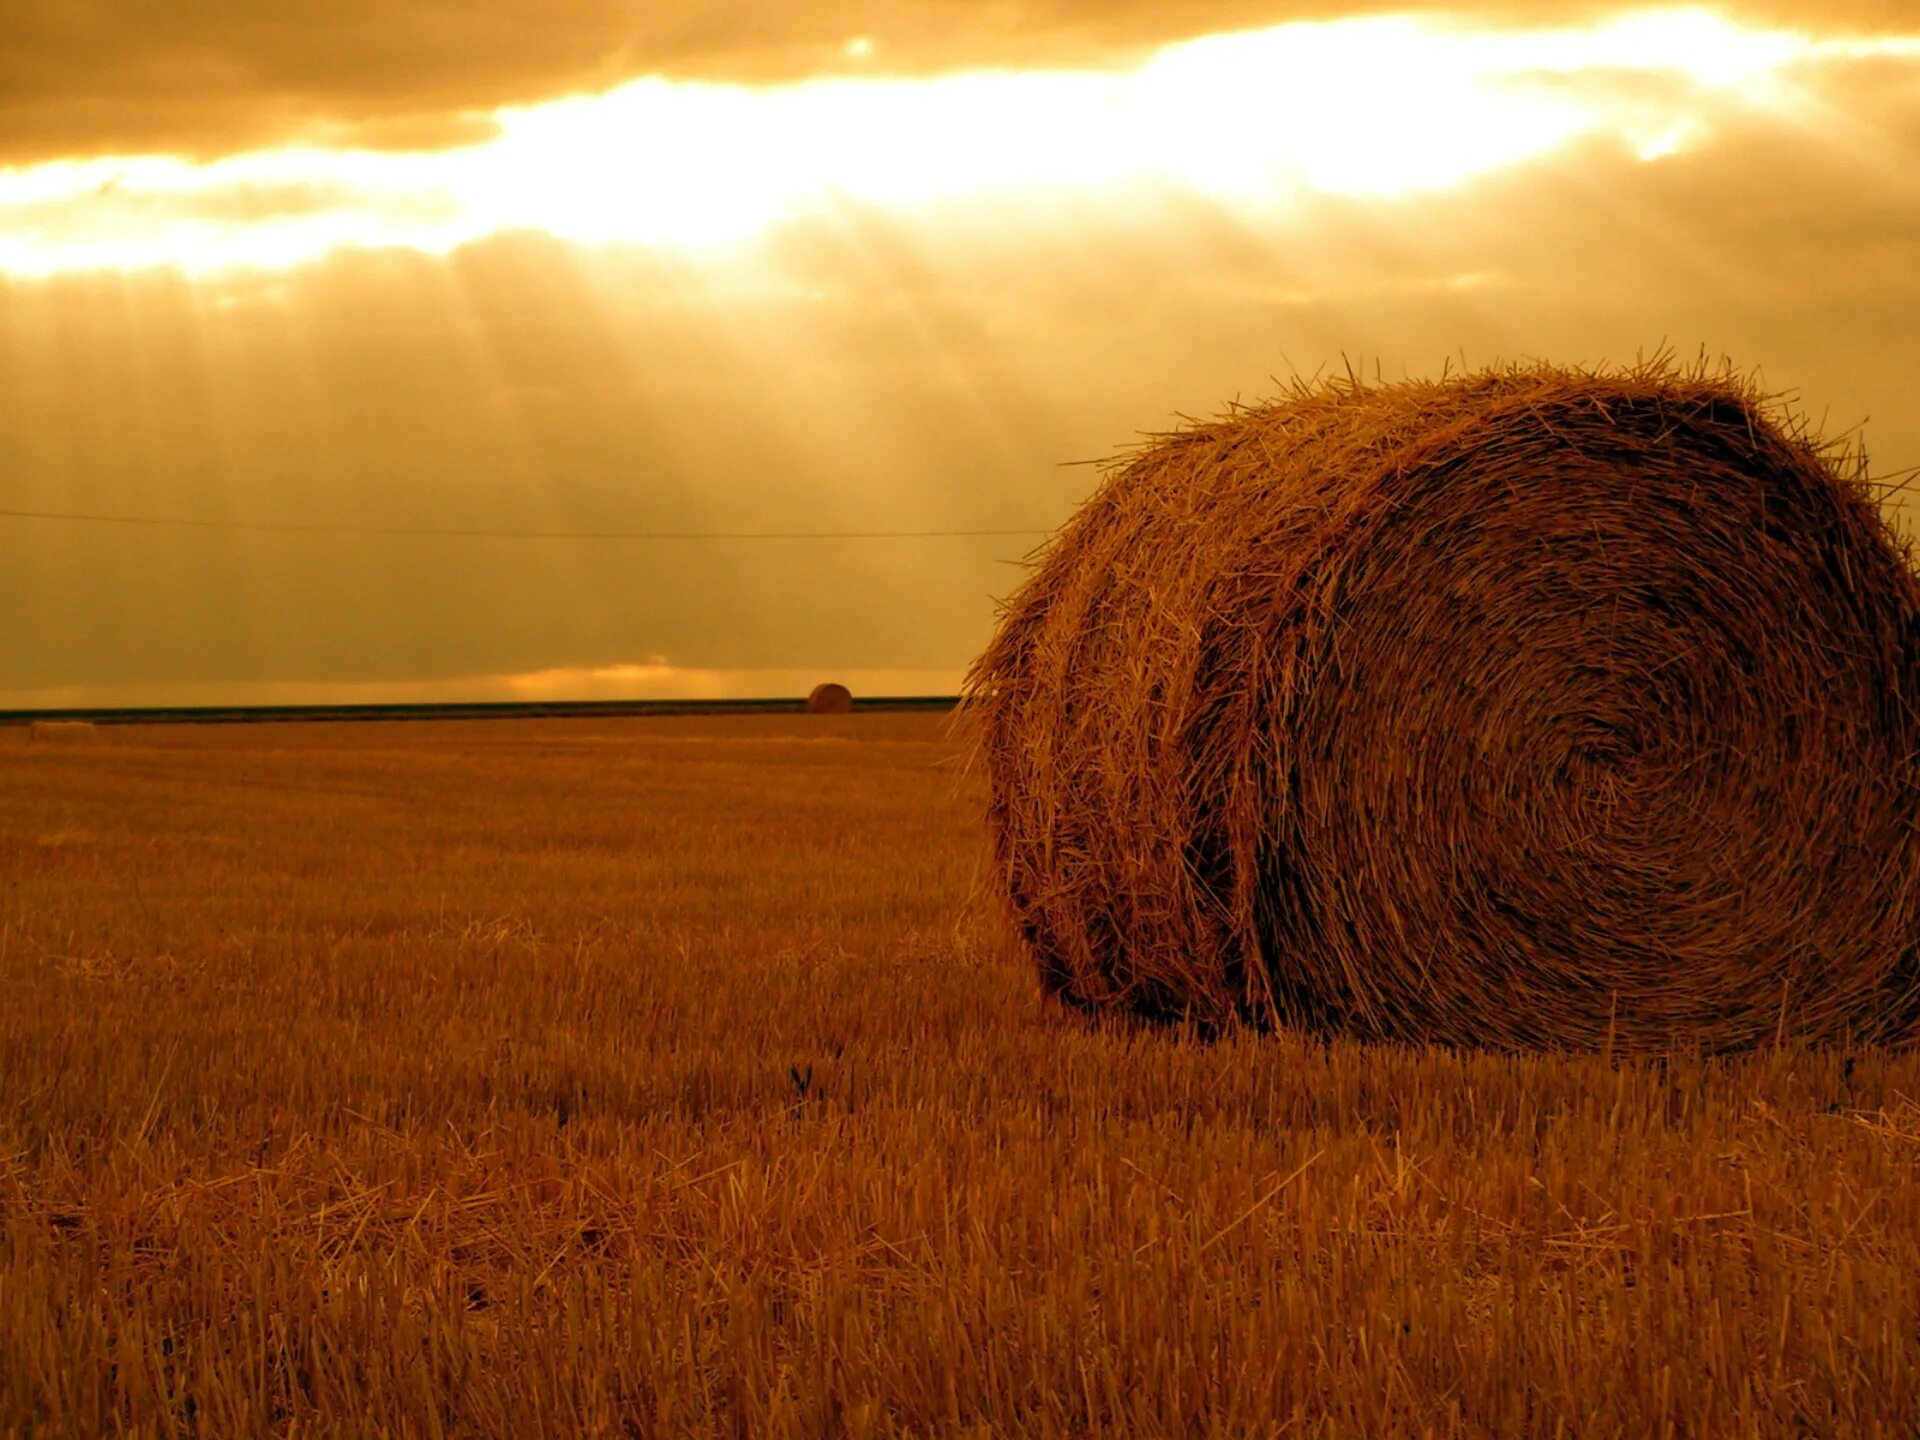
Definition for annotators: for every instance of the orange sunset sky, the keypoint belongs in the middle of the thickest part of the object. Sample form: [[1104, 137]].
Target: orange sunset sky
[[345, 323]]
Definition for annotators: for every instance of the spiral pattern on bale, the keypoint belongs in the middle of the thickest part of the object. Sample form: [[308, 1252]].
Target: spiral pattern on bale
[[1535, 707]]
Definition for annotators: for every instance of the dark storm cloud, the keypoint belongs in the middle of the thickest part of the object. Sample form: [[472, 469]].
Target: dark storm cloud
[[81, 77]]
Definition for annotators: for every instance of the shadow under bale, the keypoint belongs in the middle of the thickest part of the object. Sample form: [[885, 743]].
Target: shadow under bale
[[61, 732], [1531, 707]]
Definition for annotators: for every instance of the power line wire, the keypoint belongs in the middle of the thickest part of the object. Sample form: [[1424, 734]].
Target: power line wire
[[439, 532]]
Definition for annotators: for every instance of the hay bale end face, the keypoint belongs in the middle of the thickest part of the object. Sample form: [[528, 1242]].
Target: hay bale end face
[[1536, 707], [830, 699], [55, 732]]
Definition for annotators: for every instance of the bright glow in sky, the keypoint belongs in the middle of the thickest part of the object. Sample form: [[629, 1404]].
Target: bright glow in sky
[[1368, 107], [860, 302]]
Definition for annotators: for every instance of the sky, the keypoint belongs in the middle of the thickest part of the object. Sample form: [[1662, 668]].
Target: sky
[[389, 350]]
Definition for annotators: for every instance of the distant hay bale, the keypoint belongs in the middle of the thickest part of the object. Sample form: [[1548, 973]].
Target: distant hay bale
[[830, 699], [53, 732], [1533, 707]]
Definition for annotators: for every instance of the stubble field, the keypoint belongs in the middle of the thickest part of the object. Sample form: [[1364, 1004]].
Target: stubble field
[[665, 1077]]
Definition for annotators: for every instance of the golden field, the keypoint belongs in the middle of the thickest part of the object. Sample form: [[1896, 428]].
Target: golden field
[[668, 1077]]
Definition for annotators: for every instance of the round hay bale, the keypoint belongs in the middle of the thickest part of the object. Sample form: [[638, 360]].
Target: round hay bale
[[830, 699], [1532, 707], [51, 732]]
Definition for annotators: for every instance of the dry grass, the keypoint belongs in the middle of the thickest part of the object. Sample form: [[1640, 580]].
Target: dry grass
[[1526, 707], [575, 1078]]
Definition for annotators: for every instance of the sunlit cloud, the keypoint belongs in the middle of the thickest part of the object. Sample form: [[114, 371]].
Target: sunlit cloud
[[1377, 107], [656, 678], [653, 678]]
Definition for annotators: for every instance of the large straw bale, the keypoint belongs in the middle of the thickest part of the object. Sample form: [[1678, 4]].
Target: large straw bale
[[830, 698], [1530, 707]]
